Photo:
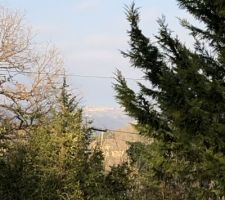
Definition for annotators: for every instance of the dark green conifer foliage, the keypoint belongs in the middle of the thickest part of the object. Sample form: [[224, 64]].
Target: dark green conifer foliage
[[68, 106], [118, 183], [68, 101], [184, 108]]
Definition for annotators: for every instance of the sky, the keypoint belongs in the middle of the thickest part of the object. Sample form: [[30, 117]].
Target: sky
[[90, 35]]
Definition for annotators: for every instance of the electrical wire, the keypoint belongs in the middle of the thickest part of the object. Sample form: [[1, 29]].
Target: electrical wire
[[111, 130], [118, 131], [71, 75]]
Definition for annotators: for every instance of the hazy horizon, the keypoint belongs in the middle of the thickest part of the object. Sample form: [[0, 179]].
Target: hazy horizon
[[90, 35]]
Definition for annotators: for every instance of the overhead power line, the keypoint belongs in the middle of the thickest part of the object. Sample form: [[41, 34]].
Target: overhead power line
[[111, 130], [71, 75]]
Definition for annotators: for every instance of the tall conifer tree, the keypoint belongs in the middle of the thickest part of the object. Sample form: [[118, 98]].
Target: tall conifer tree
[[184, 109]]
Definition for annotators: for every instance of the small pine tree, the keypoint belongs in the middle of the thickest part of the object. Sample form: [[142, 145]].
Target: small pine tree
[[56, 161]]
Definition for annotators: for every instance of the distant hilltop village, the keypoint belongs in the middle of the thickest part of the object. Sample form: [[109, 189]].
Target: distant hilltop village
[[107, 117]]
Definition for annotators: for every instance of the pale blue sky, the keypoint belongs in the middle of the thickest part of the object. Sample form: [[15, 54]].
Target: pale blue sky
[[90, 33]]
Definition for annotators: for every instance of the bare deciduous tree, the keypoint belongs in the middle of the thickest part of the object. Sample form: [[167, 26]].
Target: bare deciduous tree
[[29, 75], [15, 41]]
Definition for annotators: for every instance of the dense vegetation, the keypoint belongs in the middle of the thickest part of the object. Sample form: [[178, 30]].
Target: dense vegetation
[[55, 160], [183, 110], [46, 149]]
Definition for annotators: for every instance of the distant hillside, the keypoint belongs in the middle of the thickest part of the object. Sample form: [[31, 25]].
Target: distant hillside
[[107, 117], [115, 144]]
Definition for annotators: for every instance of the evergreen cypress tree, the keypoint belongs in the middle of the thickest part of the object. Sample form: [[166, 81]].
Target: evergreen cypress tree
[[184, 108]]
